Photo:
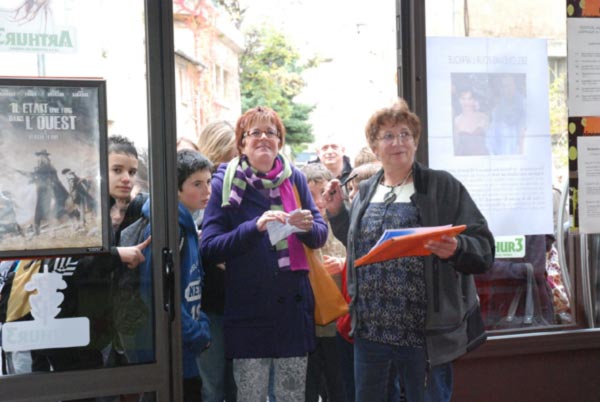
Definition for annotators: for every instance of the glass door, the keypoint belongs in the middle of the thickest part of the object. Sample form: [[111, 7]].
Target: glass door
[[493, 98], [87, 140]]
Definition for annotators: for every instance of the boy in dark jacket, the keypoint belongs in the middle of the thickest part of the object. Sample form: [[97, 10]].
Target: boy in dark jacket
[[193, 178], [89, 278]]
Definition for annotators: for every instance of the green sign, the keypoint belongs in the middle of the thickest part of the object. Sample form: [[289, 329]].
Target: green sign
[[510, 246], [15, 40]]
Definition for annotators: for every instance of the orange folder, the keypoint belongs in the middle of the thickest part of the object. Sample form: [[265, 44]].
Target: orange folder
[[406, 243]]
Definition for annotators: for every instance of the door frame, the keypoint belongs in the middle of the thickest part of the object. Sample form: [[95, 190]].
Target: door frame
[[157, 377], [568, 358]]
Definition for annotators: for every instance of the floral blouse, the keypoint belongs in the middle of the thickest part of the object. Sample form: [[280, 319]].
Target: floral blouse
[[391, 303]]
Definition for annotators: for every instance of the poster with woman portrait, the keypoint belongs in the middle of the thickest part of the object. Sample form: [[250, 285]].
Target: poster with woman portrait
[[53, 147], [489, 125], [489, 113]]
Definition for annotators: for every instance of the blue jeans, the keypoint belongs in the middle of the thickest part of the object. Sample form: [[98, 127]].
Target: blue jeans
[[346, 354], [372, 364], [438, 389], [440, 383], [216, 372]]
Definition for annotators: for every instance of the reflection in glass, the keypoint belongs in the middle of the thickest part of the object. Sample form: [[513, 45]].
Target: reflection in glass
[[141, 397], [594, 261], [104, 292], [534, 290], [521, 293], [63, 38]]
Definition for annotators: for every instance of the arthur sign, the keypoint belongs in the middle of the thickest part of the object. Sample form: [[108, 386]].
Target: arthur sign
[[45, 331], [19, 40]]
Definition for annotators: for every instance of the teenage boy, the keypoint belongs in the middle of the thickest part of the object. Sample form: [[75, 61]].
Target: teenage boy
[[193, 179], [89, 278]]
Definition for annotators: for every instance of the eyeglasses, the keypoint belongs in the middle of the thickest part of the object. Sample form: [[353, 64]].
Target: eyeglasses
[[258, 133], [389, 138]]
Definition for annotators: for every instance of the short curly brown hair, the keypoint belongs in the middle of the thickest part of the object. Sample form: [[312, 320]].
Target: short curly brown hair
[[256, 115], [398, 113]]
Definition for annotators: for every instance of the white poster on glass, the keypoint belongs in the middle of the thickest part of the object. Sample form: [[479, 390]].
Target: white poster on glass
[[489, 125], [583, 60], [588, 170]]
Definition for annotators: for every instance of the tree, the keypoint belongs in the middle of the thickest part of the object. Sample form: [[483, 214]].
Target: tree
[[298, 127], [271, 75], [234, 9]]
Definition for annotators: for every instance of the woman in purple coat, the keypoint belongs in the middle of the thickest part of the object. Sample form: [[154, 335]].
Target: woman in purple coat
[[269, 303]]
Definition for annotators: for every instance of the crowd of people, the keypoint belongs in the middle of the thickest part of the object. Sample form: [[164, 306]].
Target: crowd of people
[[247, 306]]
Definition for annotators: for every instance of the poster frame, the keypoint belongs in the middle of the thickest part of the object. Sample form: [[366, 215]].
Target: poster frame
[[97, 133]]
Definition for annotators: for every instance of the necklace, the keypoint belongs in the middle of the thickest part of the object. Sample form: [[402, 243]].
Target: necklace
[[391, 196]]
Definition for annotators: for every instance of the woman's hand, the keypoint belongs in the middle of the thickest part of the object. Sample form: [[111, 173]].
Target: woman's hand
[[269, 216], [302, 219], [334, 197], [333, 265], [443, 248]]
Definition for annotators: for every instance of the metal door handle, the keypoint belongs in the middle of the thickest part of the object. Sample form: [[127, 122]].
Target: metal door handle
[[168, 283]]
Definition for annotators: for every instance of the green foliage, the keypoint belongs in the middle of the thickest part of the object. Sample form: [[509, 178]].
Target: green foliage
[[298, 128], [271, 75], [234, 9]]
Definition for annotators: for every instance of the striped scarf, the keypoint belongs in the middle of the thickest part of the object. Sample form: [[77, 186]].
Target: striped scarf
[[239, 175]]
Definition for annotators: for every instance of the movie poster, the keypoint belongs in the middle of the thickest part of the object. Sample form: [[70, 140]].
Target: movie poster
[[52, 147]]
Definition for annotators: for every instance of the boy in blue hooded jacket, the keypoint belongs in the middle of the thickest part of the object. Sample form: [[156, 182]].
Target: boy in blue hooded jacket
[[193, 177]]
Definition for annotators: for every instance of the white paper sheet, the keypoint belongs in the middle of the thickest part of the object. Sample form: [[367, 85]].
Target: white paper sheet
[[583, 63], [279, 231], [588, 170]]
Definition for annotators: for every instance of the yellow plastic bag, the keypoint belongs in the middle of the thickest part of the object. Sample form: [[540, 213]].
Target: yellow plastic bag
[[329, 302]]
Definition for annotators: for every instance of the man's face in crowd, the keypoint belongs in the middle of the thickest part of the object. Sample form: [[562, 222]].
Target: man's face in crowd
[[331, 155]]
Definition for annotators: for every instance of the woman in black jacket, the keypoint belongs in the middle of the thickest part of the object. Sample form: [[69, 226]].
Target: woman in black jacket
[[415, 313]]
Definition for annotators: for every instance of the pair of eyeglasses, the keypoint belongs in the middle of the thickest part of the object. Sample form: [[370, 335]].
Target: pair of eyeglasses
[[389, 138], [258, 133]]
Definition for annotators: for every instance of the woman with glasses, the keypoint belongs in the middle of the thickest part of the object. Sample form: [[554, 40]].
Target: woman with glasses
[[269, 305], [411, 316]]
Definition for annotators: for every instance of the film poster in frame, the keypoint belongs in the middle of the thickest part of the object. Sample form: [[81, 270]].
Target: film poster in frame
[[53, 191]]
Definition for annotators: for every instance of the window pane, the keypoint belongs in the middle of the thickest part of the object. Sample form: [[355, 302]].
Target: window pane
[[486, 117], [594, 261], [101, 310]]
